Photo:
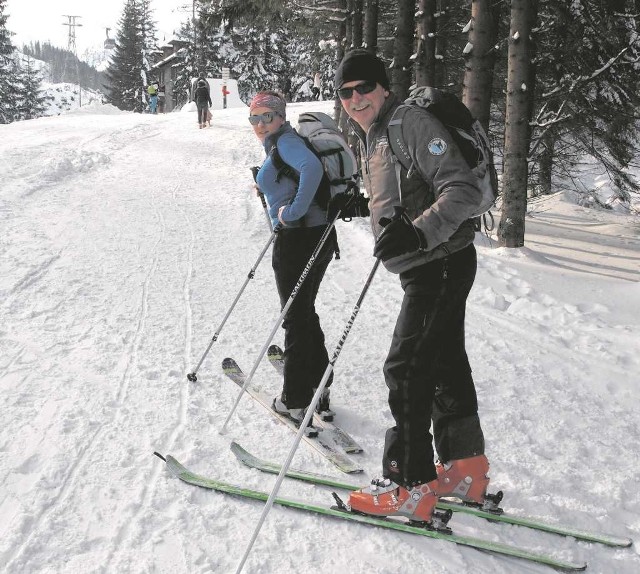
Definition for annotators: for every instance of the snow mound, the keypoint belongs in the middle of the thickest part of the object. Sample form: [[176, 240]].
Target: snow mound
[[97, 107]]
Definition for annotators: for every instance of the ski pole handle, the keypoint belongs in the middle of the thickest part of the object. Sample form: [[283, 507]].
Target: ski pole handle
[[398, 213]]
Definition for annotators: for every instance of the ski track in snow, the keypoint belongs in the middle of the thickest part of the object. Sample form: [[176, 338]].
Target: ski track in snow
[[125, 240]]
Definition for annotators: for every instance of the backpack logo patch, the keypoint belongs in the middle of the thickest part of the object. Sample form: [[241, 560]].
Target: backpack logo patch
[[437, 146]]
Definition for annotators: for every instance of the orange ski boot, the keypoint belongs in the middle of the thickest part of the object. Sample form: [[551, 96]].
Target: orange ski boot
[[383, 497], [464, 478]]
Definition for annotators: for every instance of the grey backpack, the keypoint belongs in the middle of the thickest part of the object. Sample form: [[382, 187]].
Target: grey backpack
[[323, 137]]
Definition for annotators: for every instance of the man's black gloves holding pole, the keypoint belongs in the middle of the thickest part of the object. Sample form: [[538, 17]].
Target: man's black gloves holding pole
[[350, 203], [398, 237]]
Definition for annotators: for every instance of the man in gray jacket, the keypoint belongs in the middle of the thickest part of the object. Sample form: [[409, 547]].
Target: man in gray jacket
[[424, 234]]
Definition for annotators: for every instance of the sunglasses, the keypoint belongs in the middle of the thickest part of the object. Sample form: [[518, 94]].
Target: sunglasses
[[265, 118], [364, 88]]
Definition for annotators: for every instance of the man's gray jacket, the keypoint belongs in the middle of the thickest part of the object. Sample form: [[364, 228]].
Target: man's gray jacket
[[439, 192]]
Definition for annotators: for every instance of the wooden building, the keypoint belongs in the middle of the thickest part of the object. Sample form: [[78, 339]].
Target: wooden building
[[165, 70]]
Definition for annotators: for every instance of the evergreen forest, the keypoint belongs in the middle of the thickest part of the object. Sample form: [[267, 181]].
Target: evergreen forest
[[66, 67]]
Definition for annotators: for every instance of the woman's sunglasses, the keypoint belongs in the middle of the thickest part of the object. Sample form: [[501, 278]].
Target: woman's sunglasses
[[265, 118], [364, 88]]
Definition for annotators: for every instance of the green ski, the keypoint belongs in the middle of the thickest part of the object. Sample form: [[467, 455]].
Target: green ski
[[486, 545], [617, 541]]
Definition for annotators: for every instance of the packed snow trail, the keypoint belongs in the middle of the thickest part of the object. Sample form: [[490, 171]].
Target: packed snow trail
[[124, 239], [92, 305]]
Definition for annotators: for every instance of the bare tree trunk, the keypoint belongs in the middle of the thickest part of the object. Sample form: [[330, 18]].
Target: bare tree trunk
[[356, 23], [341, 38], [545, 164], [516, 131], [371, 26], [426, 43], [444, 16], [349, 26], [402, 48], [478, 69]]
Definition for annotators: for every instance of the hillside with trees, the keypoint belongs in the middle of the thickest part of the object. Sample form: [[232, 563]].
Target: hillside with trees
[[20, 81], [39, 80], [66, 67]]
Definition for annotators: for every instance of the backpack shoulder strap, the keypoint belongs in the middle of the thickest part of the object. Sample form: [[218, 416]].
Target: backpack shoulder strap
[[399, 151], [282, 168], [396, 139]]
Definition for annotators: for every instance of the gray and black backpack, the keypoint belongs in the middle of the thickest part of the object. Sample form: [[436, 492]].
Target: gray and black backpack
[[465, 130], [323, 137]]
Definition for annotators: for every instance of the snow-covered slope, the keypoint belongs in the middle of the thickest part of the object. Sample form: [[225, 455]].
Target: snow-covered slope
[[68, 97], [61, 97], [125, 238]]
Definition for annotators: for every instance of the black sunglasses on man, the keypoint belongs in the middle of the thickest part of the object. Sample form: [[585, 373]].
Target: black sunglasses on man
[[364, 88]]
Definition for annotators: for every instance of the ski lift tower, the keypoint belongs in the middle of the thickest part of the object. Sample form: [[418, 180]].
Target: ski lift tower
[[71, 47]]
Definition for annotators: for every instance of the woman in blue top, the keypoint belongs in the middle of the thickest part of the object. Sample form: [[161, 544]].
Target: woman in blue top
[[302, 222]]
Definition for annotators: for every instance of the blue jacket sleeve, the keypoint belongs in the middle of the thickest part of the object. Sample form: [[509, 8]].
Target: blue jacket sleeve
[[297, 155]]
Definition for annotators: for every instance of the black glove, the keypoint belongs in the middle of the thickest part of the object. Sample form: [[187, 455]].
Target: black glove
[[349, 203], [399, 236]]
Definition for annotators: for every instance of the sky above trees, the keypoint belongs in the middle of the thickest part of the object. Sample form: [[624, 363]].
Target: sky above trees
[[49, 25]]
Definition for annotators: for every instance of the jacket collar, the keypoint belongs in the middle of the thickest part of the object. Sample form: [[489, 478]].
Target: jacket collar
[[272, 139]]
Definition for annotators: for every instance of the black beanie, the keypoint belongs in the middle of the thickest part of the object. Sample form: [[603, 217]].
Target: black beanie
[[361, 65]]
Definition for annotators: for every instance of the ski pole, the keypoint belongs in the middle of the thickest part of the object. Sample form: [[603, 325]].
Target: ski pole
[[266, 209], [297, 287], [192, 376], [307, 418], [254, 171]]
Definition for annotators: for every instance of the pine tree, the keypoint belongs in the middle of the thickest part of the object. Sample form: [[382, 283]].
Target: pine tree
[[587, 59], [283, 47], [132, 57], [250, 61], [9, 82], [147, 36], [402, 48], [214, 46], [204, 51], [32, 103], [516, 132], [188, 68]]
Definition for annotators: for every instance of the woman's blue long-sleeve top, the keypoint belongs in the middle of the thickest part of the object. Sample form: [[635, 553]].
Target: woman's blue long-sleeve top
[[301, 210]]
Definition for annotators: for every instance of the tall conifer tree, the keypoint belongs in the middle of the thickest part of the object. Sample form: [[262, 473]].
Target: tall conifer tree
[[9, 83], [131, 59], [32, 103]]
